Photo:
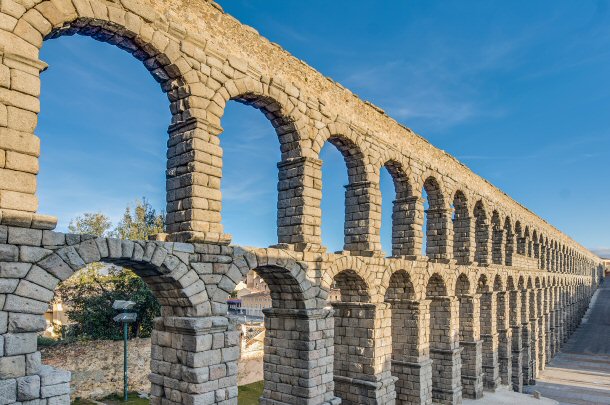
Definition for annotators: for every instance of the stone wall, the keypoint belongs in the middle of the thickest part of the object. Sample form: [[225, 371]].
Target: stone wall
[[97, 366]]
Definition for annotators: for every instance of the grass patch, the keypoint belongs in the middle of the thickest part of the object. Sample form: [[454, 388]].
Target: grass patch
[[249, 394], [133, 399], [80, 401], [44, 341]]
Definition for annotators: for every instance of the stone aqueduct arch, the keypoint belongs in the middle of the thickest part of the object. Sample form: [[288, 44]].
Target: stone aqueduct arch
[[507, 286]]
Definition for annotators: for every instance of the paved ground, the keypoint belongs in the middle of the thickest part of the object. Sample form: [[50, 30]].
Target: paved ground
[[580, 373], [506, 396]]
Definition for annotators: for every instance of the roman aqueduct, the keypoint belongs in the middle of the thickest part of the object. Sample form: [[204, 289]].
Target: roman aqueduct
[[494, 297]]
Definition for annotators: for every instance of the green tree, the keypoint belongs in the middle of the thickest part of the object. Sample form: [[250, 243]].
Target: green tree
[[89, 296], [89, 223], [142, 223]]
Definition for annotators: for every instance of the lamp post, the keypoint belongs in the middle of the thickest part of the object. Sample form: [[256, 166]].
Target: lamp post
[[125, 318]]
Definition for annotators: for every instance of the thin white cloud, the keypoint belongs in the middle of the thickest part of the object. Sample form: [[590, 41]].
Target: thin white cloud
[[246, 190], [442, 86], [603, 252]]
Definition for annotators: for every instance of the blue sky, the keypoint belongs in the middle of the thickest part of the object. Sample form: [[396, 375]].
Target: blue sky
[[519, 91]]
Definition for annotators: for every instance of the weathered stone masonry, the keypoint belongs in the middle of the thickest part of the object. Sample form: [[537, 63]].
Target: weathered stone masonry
[[496, 294]]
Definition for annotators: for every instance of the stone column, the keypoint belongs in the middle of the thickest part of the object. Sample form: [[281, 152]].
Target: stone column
[[521, 245], [517, 350], [509, 247], [464, 239], [561, 319], [526, 329], [411, 362], [534, 345], [407, 221], [23, 378], [19, 146], [542, 261], [575, 319], [504, 338], [483, 242], [299, 353], [299, 215], [566, 317], [445, 350], [571, 312], [439, 234], [489, 334], [363, 218], [556, 322], [543, 326], [550, 338], [569, 316], [193, 361], [537, 249], [194, 170], [472, 346], [498, 245], [363, 350]]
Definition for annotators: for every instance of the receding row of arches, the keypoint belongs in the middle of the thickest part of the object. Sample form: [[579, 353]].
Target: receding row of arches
[[426, 219], [449, 223], [381, 334], [450, 342]]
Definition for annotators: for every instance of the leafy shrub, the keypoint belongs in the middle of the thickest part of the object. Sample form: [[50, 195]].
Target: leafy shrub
[[89, 294]]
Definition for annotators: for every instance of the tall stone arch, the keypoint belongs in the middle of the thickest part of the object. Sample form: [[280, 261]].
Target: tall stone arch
[[135, 29], [41, 259]]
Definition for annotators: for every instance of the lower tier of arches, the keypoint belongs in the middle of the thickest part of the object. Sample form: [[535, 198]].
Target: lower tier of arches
[[341, 329]]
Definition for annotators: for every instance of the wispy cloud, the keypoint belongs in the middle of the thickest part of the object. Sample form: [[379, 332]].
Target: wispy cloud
[[570, 151], [247, 190], [444, 84], [603, 252], [93, 65], [407, 91]]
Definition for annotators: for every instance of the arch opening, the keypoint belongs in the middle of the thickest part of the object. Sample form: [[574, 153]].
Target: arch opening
[[121, 110], [267, 304], [249, 146], [356, 356], [176, 288], [397, 235], [341, 211]]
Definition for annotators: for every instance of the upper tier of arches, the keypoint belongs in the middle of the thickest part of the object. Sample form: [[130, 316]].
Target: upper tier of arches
[[203, 58]]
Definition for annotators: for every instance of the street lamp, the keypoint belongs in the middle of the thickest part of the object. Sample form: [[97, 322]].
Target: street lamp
[[125, 318]]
